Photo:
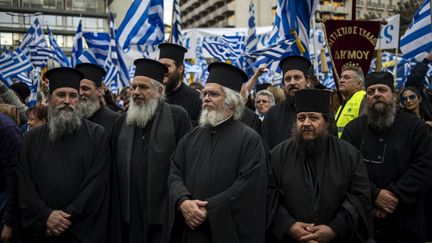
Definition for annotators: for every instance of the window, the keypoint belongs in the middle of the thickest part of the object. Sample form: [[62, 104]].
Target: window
[[6, 39]]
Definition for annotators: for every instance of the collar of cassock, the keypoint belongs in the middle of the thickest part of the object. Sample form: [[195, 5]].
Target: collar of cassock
[[221, 124]]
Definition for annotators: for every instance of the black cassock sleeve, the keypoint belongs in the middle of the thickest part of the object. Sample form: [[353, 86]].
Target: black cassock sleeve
[[33, 210]]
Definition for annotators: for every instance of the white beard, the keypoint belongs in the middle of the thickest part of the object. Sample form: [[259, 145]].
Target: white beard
[[62, 122], [140, 116], [89, 106], [212, 118]]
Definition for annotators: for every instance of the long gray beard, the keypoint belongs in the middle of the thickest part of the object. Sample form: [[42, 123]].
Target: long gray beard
[[140, 116], [212, 118], [89, 107], [381, 120], [61, 122]]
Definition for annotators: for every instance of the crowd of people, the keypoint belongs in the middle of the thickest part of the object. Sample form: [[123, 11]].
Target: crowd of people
[[225, 162]]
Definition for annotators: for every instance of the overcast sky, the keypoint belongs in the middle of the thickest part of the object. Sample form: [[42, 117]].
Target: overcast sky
[[168, 4]]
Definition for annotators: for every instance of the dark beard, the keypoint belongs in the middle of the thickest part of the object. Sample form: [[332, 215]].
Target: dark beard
[[381, 119], [309, 146], [173, 81]]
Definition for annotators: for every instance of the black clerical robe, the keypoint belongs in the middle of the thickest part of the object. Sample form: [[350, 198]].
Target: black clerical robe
[[225, 166], [70, 174], [398, 159], [327, 187], [105, 117], [142, 159], [187, 98], [251, 119], [277, 123]]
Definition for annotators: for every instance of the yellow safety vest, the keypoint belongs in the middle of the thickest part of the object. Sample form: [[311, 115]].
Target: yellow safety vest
[[349, 111]]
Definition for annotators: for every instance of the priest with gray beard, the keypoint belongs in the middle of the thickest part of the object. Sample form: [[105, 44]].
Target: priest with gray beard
[[63, 175], [91, 95], [142, 142], [217, 180], [396, 148]]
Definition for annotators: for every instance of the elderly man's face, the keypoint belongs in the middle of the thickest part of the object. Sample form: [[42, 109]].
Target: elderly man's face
[[348, 82], [214, 96], [294, 80], [65, 98], [89, 91], [262, 103], [311, 125], [378, 96], [143, 89]]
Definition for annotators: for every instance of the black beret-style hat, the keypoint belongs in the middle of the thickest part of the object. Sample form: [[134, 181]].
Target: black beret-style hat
[[92, 72], [295, 63], [226, 75], [63, 77], [312, 100], [172, 51], [150, 68]]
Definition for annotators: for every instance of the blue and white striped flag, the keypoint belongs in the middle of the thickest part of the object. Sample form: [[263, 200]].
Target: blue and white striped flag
[[111, 73], [251, 40], [143, 24], [39, 56], [34, 87], [117, 57], [58, 54], [78, 47], [293, 15], [226, 48], [98, 44], [176, 35], [271, 55], [12, 65], [418, 36], [87, 57]]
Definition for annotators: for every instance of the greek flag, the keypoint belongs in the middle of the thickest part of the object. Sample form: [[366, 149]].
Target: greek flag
[[251, 40], [33, 37], [227, 48], [111, 72], [34, 87], [77, 48], [39, 56], [143, 24], [293, 15], [58, 54], [98, 44], [418, 36], [271, 55], [14, 64], [117, 57], [176, 35], [87, 57]]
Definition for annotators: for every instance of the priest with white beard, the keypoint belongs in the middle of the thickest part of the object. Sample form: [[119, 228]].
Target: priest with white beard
[[91, 95], [217, 180], [143, 140]]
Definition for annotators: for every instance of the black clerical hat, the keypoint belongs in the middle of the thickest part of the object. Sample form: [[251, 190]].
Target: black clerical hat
[[263, 86], [172, 51], [226, 75], [150, 68], [385, 78], [295, 63], [63, 77], [312, 100], [92, 72]]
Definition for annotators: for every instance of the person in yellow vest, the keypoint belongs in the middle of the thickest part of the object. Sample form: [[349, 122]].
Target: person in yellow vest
[[351, 89]]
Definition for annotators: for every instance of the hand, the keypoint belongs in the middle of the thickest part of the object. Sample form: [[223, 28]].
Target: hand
[[429, 123], [429, 56], [378, 213], [298, 230], [6, 234], [260, 70], [386, 201], [319, 233], [194, 212], [58, 222]]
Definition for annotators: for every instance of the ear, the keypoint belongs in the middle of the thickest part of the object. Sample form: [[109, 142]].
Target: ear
[[100, 91], [181, 68]]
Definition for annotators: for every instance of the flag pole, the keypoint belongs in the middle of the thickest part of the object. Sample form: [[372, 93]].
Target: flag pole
[[395, 66], [353, 12], [170, 38], [314, 46]]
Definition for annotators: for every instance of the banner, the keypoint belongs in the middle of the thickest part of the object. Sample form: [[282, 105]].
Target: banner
[[351, 43], [389, 34]]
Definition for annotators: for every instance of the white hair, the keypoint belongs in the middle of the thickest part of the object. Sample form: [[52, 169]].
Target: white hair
[[268, 94], [234, 102]]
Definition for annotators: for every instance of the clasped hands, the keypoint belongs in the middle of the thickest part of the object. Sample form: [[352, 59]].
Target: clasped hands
[[194, 212]]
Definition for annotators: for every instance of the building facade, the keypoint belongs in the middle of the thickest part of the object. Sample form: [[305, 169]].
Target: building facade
[[342, 9], [225, 13], [62, 17]]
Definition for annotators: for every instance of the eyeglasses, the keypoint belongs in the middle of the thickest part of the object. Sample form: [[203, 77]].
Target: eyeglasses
[[262, 101], [380, 156], [211, 94], [404, 99]]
